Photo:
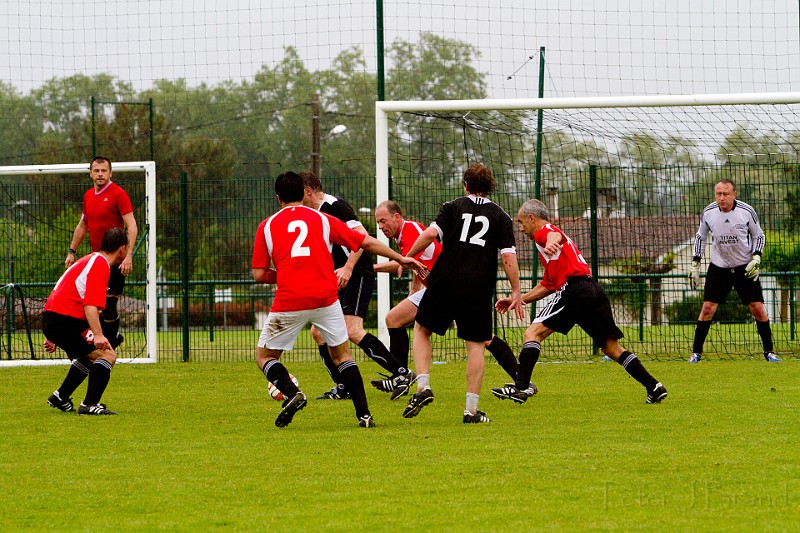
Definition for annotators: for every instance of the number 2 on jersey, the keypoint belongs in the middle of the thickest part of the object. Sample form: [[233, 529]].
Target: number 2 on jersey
[[475, 239], [298, 250]]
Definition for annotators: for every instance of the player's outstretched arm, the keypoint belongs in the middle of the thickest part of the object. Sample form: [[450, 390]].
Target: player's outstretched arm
[[534, 295], [371, 244], [389, 266], [511, 269]]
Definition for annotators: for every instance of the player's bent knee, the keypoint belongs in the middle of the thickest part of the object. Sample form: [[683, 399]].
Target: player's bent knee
[[355, 332], [340, 353], [106, 355]]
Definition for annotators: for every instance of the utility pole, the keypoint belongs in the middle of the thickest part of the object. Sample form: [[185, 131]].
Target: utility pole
[[315, 153]]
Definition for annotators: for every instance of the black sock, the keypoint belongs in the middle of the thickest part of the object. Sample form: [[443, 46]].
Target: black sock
[[766, 335], [527, 360], [277, 374], [329, 364], [78, 371], [99, 375], [504, 356], [398, 345], [700, 334], [634, 367], [379, 353], [351, 377]]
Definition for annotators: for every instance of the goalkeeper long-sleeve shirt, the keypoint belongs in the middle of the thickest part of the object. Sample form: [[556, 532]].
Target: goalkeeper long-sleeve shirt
[[735, 235]]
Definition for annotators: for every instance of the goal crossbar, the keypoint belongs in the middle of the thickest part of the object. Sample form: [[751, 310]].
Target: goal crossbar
[[149, 170]]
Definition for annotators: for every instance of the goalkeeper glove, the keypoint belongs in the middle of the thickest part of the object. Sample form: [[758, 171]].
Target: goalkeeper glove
[[694, 275], [753, 268]]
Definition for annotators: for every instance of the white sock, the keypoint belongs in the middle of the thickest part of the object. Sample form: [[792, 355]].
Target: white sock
[[423, 381], [472, 403]]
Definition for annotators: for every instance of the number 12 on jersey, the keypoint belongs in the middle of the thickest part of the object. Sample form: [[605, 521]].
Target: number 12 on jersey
[[477, 238]]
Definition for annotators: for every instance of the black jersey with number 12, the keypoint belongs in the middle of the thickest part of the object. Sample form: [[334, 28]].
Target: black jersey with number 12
[[472, 230]]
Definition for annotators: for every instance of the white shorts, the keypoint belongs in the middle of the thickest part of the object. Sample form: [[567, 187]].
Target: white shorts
[[282, 328], [416, 298]]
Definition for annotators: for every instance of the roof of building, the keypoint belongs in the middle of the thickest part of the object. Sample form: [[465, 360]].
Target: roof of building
[[622, 238]]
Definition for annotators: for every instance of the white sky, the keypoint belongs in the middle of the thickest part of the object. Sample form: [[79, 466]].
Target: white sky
[[600, 47]]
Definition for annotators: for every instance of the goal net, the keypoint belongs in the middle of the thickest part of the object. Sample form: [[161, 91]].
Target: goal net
[[42, 207], [627, 179]]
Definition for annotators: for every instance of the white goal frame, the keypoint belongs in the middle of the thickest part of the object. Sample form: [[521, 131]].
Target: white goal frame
[[383, 108], [149, 169]]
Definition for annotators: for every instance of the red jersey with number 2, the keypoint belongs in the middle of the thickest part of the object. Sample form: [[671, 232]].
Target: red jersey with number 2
[[298, 241], [565, 263]]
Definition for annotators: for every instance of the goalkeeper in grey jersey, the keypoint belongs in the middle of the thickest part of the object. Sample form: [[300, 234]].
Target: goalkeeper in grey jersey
[[736, 245]]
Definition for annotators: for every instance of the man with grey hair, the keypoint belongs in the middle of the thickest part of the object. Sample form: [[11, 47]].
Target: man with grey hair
[[579, 300], [736, 248]]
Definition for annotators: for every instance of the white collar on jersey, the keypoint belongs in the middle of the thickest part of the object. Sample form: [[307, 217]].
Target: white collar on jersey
[[478, 199]]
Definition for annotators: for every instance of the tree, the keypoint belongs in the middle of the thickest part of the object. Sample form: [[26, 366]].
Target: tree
[[750, 147], [782, 256], [658, 172], [347, 97], [20, 127], [435, 68]]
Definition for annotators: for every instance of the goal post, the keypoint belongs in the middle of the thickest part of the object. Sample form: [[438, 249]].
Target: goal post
[[607, 126], [146, 226]]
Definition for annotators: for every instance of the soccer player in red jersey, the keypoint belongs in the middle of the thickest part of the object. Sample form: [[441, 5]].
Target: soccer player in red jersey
[[390, 220], [297, 241], [106, 205], [579, 300], [356, 285], [71, 320]]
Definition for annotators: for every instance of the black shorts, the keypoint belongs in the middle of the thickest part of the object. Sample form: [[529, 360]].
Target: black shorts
[[72, 335], [581, 301], [471, 307], [356, 296], [720, 281], [116, 282]]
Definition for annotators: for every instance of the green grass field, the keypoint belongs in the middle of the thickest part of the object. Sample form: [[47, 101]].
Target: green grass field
[[195, 448]]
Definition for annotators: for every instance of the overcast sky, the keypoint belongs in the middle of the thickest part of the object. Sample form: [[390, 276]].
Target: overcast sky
[[594, 47]]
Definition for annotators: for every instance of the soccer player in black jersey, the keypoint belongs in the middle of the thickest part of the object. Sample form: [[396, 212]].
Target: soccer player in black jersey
[[461, 285], [356, 284], [736, 246], [390, 220]]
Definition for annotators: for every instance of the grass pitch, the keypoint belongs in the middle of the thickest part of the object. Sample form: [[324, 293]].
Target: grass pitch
[[195, 448]]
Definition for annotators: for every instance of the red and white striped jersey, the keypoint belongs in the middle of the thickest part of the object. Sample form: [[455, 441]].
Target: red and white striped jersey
[[408, 236], [298, 241], [84, 283], [566, 263]]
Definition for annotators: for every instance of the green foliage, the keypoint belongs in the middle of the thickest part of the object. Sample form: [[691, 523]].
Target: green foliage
[[233, 131], [751, 146], [434, 68], [687, 310], [37, 251], [19, 126], [781, 253]]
